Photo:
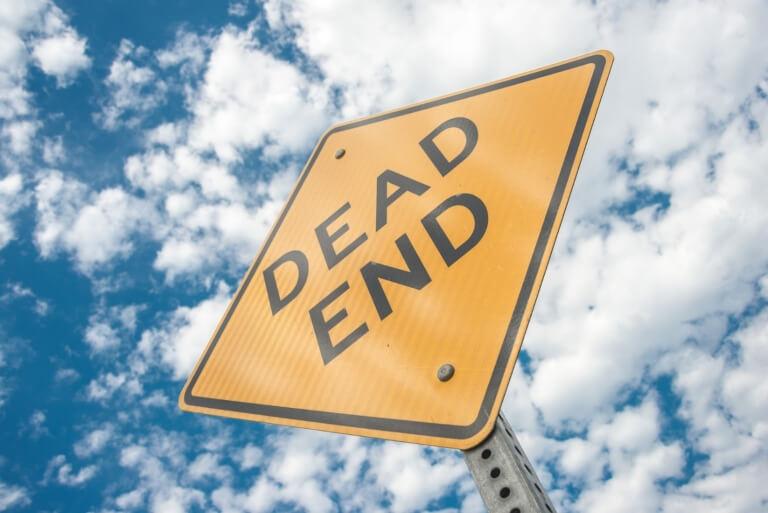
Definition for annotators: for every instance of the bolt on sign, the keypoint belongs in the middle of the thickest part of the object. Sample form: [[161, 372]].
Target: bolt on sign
[[392, 295]]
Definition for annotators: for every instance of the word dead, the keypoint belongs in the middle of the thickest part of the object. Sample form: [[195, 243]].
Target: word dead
[[323, 315]]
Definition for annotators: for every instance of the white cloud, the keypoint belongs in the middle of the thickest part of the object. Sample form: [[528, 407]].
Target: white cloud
[[3, 389], [12, 351], [222, 223], [11, 200], [34, 31], [301, 462], [318, 472], [19, 135], [107, 326], [251, 456], [14, 100], [161, 170], [180, 194], [17, 291], [36, 425], [106, 384], [518, 404], [634, 488], [295, 469], [94, 441], [237, 8], [56, 48], [745, 387], [158, 460], [233, 229], [168, 134], [368, 51], [101, 336], [95, 227], [763, 286], [63, 472], [134, 88], [53, 150], [62, 56], [718, 405], [156, 399], [207, 465], [737, 490], [175, 500], [300, 466], [130, 500], [173, 346], [630, 430], [582, 460], [260, 498], [189, 51], [401, 469], [250, 99], [619, 456], [12, 495], [180, 341], [66, 375], [691, 252], [473, 503]]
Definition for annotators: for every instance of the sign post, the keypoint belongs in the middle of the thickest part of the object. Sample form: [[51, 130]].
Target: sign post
[[504, 476], [391, 297]]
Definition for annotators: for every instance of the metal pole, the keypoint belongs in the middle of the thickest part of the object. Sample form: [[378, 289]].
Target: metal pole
[[504, 476]]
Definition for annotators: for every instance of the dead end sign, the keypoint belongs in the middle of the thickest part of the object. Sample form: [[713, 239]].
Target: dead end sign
[[414, 240]]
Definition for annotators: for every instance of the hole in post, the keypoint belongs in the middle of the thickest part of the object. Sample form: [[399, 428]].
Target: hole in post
[[548, 508], [514, 510], [504, 492], [485, 454], [538, 489], [528, 469], [495, 472], [518, 450]]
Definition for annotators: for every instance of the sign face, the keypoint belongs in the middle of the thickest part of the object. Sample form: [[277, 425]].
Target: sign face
[[414, 241]]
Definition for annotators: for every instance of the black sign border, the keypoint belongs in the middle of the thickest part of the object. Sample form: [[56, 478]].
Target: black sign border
[[448, 431]]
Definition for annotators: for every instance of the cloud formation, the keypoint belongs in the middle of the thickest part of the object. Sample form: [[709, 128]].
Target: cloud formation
[[35, 32], [61, 56]]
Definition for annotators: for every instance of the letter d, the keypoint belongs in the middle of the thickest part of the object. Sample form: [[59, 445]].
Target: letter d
[[276, 301], [439, 160], [448, 251]]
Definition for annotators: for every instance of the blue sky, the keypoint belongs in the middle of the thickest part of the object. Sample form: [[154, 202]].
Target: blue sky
[[146, 147]]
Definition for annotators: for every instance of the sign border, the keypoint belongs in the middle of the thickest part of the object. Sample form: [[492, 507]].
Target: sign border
[[411, 427]]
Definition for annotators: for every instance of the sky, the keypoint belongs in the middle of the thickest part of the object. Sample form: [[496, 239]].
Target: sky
[[146, 147]]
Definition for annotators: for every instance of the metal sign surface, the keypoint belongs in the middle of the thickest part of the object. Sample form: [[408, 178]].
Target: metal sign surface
[[413, 244]]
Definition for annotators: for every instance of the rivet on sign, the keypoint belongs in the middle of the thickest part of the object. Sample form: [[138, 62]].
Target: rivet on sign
[[340, 153], [445, 372]]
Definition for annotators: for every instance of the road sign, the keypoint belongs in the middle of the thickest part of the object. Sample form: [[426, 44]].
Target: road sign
[[391, 298]]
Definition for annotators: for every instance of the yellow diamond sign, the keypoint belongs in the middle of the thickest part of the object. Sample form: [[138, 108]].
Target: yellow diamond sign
[[392, 295]]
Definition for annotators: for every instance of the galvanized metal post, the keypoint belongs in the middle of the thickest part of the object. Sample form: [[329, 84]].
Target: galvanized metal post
[[504, 476]]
